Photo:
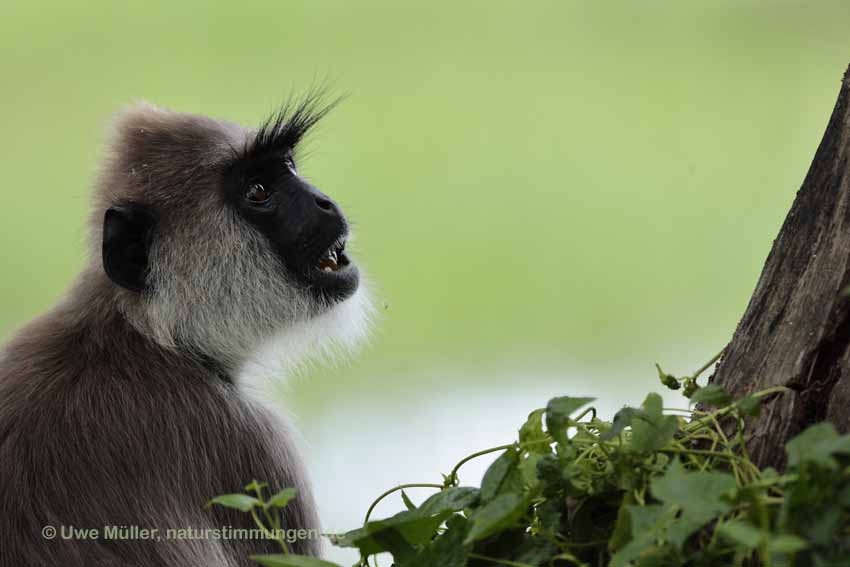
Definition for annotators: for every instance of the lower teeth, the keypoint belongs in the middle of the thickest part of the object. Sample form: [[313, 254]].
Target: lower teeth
[[328, 265], [329, 262]]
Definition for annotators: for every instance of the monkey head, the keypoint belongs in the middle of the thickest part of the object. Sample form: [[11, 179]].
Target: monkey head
[[210, 238]]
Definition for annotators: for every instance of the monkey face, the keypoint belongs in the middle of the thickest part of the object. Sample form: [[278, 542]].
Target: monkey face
[[214, 239], [250, 173], [305, 227]]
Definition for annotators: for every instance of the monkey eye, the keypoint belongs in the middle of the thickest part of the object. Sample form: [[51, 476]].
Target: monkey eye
[[257, 194]]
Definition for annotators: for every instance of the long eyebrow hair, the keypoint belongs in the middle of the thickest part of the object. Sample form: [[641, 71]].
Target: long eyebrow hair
[[281, 132]]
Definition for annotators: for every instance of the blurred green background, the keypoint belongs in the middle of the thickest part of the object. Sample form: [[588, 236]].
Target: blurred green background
[[547, 196]]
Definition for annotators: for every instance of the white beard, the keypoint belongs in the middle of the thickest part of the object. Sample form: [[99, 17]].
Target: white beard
[[328, 338]]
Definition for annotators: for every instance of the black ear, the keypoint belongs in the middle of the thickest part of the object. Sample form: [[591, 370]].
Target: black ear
[[127, 232]]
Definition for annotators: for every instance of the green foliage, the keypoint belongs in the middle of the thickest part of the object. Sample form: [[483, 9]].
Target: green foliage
[[266, 515], [282, 498], [712, 395], [241, 502], [651, 488], [291, 560], [818, 444], [651, 429]]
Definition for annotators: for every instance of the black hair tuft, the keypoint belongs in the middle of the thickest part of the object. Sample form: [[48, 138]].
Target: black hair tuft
[[282, 131]]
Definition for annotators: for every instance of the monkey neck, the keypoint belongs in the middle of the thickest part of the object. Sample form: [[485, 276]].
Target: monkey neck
[[94, 313]]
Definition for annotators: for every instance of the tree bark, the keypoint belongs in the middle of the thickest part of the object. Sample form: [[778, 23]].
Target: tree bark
[[796, 329]]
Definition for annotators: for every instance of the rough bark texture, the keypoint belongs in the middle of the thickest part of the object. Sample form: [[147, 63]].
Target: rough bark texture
[[796, 329]]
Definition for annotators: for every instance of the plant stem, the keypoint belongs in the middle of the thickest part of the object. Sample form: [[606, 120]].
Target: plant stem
[[498, 561], [453, 475], [698, 423], [265, 530], [708, 364], [396, 489], [591, 409], [776, 480]]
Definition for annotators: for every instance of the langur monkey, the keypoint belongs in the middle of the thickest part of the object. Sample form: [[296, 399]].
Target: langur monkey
[[121, 406]]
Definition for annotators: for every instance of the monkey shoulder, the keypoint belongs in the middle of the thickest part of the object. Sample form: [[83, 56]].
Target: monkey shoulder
[[112, 421]]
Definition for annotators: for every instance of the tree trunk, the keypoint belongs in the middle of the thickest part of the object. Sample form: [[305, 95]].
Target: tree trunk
[[796, 329]]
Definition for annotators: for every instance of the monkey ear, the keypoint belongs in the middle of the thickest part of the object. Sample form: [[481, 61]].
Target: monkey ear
[[127, 232]]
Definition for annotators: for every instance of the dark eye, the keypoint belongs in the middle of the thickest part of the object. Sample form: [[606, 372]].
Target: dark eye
[[257, 194]]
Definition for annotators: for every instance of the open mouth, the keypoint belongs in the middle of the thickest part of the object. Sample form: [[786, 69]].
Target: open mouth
[[334, 258], [332, 274]]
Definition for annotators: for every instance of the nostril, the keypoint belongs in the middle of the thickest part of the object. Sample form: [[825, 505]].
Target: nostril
[[324, 203]]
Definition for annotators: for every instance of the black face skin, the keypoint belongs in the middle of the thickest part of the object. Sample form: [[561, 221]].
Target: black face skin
[[304, 226]]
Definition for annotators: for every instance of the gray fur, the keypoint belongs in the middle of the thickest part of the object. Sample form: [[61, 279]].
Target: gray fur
[[120, 408]]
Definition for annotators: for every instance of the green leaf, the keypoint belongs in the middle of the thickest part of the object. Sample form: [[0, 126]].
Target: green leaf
[[498, 474], [817, 444], [658, 523], [749, 406], [742, 533], [681, 529], [528, 469], [823, 525], [495, 516], [653, 405], [622, 420], [651, 429], [712, 395], [446, 550], [659, 556], [558, 412], [649, 525], [555, 471], [622, 533], [697, 494], [650, 520], [413, 526], [408, 503], [255, 486], [451, 499], [291, 560], [769, 473], [535, 550], [549, 515], [241, 502], [531, 434], [570, 558], [391, 540], [786, 543], [282, 498]]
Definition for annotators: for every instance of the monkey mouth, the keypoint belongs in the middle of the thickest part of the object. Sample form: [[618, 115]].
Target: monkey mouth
[[334, 258], [331, 275]]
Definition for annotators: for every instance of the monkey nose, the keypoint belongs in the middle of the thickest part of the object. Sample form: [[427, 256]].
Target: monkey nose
[[328, 208], [324, 203]]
